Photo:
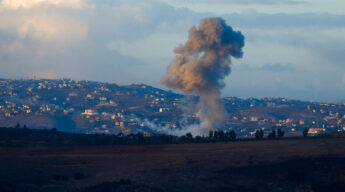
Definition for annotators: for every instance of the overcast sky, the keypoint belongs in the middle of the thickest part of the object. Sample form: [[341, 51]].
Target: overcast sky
[[294, 48]]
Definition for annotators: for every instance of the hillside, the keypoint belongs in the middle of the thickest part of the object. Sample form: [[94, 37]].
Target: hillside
[[97, 107]]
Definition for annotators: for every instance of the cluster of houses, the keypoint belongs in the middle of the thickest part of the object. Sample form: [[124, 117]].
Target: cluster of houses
[[110, 108]]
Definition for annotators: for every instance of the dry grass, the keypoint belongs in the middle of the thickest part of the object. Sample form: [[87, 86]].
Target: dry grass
[[170, 167]]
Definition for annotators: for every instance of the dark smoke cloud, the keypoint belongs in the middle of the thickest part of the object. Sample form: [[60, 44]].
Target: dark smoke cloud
[[201, 65]]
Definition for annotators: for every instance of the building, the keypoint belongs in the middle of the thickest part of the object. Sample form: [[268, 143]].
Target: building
[[89, 112]]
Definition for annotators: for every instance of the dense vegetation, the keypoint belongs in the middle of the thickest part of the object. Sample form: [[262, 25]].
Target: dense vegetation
[[22, 136]]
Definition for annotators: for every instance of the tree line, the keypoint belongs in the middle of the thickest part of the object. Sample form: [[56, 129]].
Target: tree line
[[213, 136], [53, 136]]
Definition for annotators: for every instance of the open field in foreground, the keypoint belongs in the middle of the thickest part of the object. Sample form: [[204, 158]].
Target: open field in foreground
[[312, 164]]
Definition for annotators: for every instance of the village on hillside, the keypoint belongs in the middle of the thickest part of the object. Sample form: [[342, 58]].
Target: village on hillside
[[94, 107]]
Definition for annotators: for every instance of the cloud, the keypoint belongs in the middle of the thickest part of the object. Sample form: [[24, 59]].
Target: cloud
[[324, 44], [285, 20], [27, 4], [277, 67], [63, 38], [246, 2], [42, 26]]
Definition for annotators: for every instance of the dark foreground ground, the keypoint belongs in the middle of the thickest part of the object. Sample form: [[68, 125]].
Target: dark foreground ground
[[312, 164]]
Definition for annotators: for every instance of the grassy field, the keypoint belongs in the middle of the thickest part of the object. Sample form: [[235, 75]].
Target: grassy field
[[311, 164]]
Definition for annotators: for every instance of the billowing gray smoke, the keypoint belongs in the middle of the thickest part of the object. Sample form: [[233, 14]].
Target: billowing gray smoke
[[200, 67]]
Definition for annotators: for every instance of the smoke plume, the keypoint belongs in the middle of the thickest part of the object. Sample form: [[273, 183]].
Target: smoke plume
[[201, 65]]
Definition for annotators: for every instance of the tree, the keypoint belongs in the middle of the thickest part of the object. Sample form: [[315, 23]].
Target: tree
[[232, 135], [198, 139], [221, 135], [189, 137], [105, 140], [215, 136], [305, 132], [259, 134], [119, 140], [280, 133], [272, 135], [182, 139], [140, 138], [210, 135], [165, 138], [83, 140], [17, 126]]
